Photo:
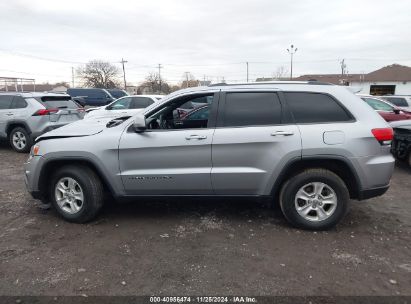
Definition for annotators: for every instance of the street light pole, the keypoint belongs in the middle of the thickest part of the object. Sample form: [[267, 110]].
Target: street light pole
[[292, 51]]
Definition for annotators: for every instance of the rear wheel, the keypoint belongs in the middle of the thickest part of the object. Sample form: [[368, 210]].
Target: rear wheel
[[314, 199], [20, 140], [77, 193]]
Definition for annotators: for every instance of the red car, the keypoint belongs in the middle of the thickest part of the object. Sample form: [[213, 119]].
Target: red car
[[387, 110]]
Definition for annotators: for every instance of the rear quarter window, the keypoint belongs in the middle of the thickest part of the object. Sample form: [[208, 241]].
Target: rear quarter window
[[316, 108]]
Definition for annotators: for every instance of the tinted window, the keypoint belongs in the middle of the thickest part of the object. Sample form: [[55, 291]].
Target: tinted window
[[57, 102], [315, 107], [18, 103], [248, 109], [198, 114], [378, 105], [398, 101], [5, 101], [140, 102], [117, 93]]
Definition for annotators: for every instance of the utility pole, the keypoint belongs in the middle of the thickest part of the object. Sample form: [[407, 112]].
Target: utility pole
[[247, 70], [187, 78], [343, 67], [292, 51], [124, 72], [72, 77], [159, 75]]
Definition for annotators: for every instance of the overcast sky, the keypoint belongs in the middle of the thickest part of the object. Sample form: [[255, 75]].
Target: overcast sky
[[43, 39]]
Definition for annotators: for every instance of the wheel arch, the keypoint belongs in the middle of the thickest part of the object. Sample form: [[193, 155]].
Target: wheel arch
[[17, 123], [52, 165], [338, 165]]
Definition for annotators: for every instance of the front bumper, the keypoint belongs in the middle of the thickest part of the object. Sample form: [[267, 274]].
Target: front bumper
[[32, 175]]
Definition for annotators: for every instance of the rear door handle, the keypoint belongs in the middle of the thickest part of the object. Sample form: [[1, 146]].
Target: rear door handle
[[199, 137], [282, 133]]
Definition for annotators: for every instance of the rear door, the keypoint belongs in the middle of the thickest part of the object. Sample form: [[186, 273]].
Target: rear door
[[253, 140], [5, 113]]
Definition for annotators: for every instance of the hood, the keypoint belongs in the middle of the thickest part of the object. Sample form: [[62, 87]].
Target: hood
[[78, 128]]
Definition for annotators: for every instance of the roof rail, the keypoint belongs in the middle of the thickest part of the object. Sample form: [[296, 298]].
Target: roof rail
[[311, 82]]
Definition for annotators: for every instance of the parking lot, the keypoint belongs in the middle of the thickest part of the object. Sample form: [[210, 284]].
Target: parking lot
[[201, 247]]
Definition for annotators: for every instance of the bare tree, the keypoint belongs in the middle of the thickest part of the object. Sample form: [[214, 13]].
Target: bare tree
[[189, 81], [281, 73], [151, 85], [99, 74]]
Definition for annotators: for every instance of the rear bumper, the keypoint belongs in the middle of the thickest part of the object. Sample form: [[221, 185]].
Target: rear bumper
[[374, 192]]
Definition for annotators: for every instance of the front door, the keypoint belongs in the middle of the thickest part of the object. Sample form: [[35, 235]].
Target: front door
[[168, 159]]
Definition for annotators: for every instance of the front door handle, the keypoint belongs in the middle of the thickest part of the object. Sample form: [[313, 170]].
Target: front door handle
[[282, 133], [9, 114], [199, 137]]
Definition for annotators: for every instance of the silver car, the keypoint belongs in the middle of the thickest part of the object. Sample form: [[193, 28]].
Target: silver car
[[310, 147], [24, 116]]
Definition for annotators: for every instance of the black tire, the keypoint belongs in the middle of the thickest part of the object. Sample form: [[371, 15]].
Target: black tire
[[92, 190], [295, 183], [18, 146]]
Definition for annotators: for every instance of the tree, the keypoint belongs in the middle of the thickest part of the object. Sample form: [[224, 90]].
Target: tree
[[151, 85], [189, 81], [99, 74], [281, 73]]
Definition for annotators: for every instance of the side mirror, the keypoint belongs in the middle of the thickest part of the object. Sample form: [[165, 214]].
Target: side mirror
[[139, 124], [397, 111]]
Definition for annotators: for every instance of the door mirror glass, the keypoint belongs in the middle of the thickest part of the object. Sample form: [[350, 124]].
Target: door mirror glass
[[139, 124]]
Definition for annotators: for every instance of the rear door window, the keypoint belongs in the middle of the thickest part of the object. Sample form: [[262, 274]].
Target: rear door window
[[398, 101], [18, 103], [251, 109], [140, 102], [5, 101], [57, 102], [316, 108]]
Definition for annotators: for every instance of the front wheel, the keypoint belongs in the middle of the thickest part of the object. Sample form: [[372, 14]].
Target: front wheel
[[76, 193], [315, 199]]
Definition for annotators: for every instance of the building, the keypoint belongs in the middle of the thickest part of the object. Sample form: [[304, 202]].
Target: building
[[394, 79]]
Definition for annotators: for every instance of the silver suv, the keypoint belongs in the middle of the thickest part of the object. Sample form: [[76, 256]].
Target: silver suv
[[24, 116], [309, 146]]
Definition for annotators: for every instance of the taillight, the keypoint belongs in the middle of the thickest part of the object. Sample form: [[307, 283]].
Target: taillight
[[42, 112], [383, 135]]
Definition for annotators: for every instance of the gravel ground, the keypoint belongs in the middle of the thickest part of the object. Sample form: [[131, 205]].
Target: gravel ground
[[195, 247]]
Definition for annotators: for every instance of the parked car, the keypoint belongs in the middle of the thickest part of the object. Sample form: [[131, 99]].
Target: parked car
[[117, 93], [128, 105], [387, 110], [311, 147], [91, 97], [399, 101], [24, 116], [401, 145]]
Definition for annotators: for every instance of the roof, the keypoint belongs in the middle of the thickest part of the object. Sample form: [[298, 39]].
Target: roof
[[34, 94], [331, 78], [394, 72]]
